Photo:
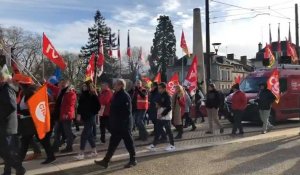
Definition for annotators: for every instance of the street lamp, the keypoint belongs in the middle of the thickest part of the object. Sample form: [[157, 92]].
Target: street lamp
[[216, 47]]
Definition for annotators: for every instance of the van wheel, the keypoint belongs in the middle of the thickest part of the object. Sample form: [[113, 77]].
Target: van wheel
[[272, 118]]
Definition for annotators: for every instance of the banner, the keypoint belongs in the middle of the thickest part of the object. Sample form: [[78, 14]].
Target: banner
[[90, 70], [191, 78], [39, 111], [174, 81], [273, 84], [50, 52]]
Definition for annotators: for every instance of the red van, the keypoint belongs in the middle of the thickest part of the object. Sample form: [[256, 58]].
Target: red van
[[289, 104]]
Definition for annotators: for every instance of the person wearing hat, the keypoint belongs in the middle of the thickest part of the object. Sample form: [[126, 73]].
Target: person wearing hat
[[212, 107], [239, 104], [265, 100], [8, 127]]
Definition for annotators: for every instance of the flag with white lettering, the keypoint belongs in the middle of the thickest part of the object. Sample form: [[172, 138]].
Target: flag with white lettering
[[192, 77]]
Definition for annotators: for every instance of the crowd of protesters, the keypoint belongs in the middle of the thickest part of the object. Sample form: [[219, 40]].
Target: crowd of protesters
[[119, 111]]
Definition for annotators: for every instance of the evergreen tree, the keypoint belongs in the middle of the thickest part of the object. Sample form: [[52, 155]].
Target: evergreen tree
[[100, 29], [163, 48]]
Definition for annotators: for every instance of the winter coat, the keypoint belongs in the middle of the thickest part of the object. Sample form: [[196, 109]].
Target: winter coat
[[178, 109], [8, 110], [164, 102], [265, 99], [120, 119], [239, 101], [212, 99], [105, 100], [68, 103], [153, 99], [188, 102], [26, 126], [88, 105]]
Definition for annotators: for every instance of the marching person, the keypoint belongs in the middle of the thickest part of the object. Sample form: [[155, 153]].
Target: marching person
[[64, 112], [265, 100], [178, 106], [105, 97], [8, 128], [164, 117], [198, 101], [88, 107], [239, 104], [187, 107], [139, 108], [120, 125], [212, 107]]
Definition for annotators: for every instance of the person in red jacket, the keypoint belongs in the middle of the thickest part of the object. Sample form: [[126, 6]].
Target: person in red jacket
[[105, 97], [64, 112], [239, 104]]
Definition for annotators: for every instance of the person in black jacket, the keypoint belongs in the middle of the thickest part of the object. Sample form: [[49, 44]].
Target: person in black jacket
[[265, 100], [212, 107], [88, 107], [164, 117], [8, 128], [120, 122]]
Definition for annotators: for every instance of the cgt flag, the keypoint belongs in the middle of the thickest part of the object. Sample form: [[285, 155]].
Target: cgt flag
[[192, 77], [39, 110], [291, 51], [174, 81], [90, 70], [50, 52], [183, 44], [269, 55], [273, 84]]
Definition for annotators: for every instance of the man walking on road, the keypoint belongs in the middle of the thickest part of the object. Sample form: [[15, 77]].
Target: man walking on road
[[239, 104], [265, 100], [8, 128], [120, 124]]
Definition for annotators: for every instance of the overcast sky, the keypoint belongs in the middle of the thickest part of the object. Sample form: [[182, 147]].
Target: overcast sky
[[239, 27]]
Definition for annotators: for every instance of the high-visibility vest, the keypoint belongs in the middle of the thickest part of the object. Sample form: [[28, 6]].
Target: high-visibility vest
[[142, 103]]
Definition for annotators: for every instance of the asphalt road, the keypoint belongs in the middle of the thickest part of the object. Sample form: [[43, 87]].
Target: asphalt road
[[265, 157]]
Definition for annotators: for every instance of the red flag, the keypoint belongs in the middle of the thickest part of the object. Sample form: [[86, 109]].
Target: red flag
[[119, 51], [273, 84], [100, 60], [90, 70], [174, 81], [50, 52], [291, 51], [128, 46], [183, 44], [39, 111], [157, 78], [238, 79], [192, 77], [269, 55]]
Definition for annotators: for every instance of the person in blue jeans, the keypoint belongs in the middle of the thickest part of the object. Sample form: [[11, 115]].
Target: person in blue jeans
[[88, 107]]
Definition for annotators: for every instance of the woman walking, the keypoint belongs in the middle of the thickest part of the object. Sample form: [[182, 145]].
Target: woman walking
[[88, 107], [212, 107], [178, 105]]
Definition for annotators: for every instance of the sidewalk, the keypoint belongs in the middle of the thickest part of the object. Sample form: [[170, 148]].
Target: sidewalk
[[191, 140]]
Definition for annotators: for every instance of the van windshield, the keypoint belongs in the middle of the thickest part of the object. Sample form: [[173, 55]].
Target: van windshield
[[251, 84]]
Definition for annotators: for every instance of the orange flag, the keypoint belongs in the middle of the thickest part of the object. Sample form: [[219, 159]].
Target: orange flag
[[157, 79], [174, 81], [39, 111]]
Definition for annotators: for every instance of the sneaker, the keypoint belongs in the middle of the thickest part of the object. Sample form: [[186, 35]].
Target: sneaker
[[93, 154], [151, 147], [130, 164], [101, 163], [79, 157], [264, 132], [170, 148]]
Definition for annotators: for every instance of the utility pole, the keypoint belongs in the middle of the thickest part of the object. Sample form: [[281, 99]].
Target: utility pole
[[297, 28], [207, 42]]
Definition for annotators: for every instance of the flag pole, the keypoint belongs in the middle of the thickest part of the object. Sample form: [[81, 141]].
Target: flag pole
[[43, 62]]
